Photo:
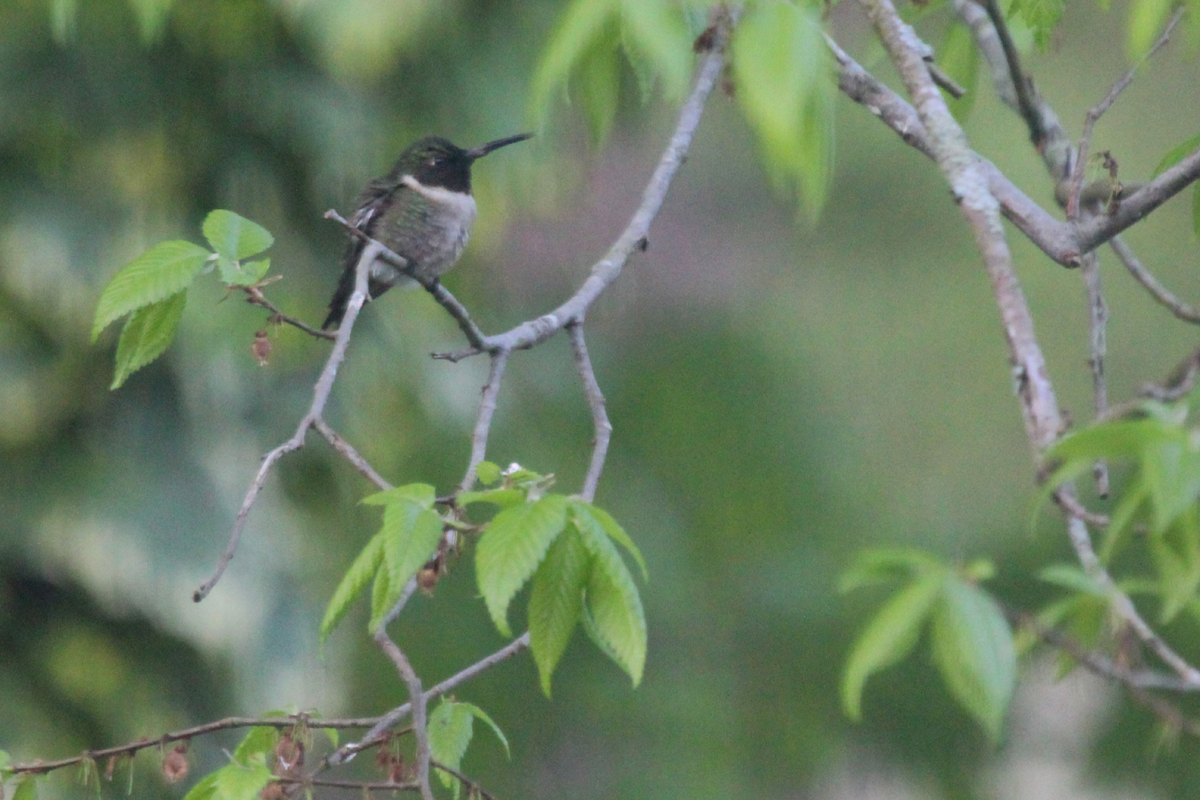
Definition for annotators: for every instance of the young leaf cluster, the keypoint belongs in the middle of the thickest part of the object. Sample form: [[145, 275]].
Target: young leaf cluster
[[970, 640], [1160, 495], [450, 728], [582, 59], [785, 84], [152, 289], [407, 539], [567, 549]]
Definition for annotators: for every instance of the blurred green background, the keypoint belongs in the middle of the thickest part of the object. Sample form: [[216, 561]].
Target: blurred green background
[[782, 395]]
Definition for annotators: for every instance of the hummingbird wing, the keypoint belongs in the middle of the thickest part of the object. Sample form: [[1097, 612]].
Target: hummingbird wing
[[368, 209]]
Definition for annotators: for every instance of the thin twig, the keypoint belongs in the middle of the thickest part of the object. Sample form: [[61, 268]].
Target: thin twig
[[464, 780], [255, 297], [633, 238], [1182, 310], [1179, 383], [415, 692], [361, 786], [321, 392], [595, 398], [389, 720], [228, 723], [1097, 325], [1021, 83], [483, 423], [350, 454], [1097, 111]]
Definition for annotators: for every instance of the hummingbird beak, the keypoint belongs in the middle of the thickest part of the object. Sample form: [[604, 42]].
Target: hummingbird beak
[[484, 149]]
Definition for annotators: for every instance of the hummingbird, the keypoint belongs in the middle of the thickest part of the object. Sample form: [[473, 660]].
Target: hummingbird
[[422, 210]]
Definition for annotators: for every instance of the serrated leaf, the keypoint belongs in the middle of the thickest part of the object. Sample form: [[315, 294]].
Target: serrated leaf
[[1172, 475], [259, 740], [449, 733], [410, 538], [959, 58], [26, 788], [233, 236], [421, 494], [556, 602], [504, 498], [889, 637], [147, 333], [973, 649], [785, 89], [1176, 555], [511, 549], [582, 24], [586, 514], [205, 788], [487, 472], [658, 44], [161, 272], [615, 606], [355, 580]]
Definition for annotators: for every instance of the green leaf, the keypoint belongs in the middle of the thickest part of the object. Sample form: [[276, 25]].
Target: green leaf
[[1176, 555], [410, 537], [616, 609], [1172, 475], [383, 596], [147, 333], [449, 732], [420, 493], [505, 498], [657, 42], [1071, 577], [886, 565], [889, 637], [239, 781], [235, 273], [26, 788], [600, 85], [1176, 154], [257, 741], [5, 763], [959, 59], [234, 237], [556, 601], [1042, 17], [355, 580], [511, 549], [784, 82], [487, 472], [587, 515], [973, 649], [583, 23], [205, 788], [482, 715], [1146, 21], [161, 272]]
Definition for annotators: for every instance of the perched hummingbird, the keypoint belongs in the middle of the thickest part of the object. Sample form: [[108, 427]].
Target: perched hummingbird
[[421, 210]]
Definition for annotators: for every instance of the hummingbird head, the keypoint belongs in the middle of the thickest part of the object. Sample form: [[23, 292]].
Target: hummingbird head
[[434, 161]]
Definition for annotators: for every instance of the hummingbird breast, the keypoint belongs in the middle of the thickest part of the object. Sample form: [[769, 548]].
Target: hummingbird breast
[[429, 226]]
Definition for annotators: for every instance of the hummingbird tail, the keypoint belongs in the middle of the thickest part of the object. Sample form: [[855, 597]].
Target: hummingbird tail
[[341, 297]]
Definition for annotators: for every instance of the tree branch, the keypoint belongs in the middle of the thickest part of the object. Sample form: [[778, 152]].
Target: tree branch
[[1182, 310], [320, 398], [633, 238], [595, 398]]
